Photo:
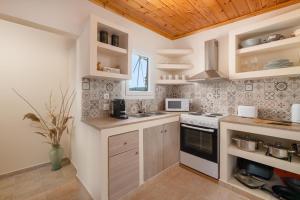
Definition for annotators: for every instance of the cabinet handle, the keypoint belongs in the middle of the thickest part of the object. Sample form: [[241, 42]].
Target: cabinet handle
[[136, 153], [125, 143], [166, 131]]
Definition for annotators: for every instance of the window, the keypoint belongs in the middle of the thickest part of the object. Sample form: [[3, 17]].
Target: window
[[139, 73], [139, 85]]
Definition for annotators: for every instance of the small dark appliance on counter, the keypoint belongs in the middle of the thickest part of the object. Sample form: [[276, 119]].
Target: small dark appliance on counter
[[118, 109]]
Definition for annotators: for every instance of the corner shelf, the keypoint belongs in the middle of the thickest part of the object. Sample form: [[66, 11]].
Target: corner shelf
[[259, 156], [174, 66], [173, 82], [110, 49], [271, 46], [174, 52]]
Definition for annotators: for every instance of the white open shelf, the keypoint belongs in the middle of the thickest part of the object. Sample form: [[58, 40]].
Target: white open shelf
[[259, 156], [174, 52], [288, 71], [110, 49], [256, 192], [271, 46], [109, 75], [173, 82], [169, 66]]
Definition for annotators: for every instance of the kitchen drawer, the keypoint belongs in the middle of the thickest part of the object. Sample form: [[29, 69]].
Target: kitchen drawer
[[123, 173], [120, 143]]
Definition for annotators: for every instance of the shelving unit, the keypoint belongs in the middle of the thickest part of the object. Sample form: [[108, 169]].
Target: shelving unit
[[172, 66], [93, 51], [271, 46], [259, 156], [247, 63], [258, 193], [174, 52], [229, 152], [173, 82], [109, 49]]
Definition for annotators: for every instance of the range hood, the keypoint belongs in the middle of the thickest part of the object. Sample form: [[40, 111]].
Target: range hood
[[211, 63]]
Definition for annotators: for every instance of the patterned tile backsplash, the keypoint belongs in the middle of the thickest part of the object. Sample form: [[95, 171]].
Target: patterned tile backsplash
[[272, 96], [93, 98]]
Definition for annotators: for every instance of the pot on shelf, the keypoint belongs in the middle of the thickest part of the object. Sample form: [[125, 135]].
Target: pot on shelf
[[278, 151], [56, 155]]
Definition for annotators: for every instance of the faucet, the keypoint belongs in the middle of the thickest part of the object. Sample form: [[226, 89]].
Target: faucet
[[141, 108]]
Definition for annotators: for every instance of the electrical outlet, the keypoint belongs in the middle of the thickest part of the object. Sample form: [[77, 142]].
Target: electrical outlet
[[106, 96], [106, 106]]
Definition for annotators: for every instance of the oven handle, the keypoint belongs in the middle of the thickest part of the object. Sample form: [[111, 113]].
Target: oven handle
[[199, 129]]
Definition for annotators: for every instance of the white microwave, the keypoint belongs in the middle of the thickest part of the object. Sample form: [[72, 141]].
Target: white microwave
[[177, 104]]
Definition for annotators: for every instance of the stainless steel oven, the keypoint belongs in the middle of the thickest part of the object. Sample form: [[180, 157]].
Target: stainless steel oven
[[199, 148]]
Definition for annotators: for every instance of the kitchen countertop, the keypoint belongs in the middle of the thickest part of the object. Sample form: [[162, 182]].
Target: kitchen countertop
[[109, 122], [261, 122]]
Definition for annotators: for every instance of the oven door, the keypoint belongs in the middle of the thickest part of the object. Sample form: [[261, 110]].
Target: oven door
[[199, 141]]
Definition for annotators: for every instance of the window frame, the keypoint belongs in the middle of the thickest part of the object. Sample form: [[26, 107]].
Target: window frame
[[141, 94]]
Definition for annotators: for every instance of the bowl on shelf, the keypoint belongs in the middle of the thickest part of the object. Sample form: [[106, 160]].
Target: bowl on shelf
[[278, 63], [297, 32], [274, 37], [250, 42]]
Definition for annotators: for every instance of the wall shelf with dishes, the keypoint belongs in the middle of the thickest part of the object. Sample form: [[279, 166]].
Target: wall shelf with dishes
[[105, 50], [267, 49], [173, 66]]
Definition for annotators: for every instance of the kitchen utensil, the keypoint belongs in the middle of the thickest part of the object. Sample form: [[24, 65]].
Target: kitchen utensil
[[249, 181], [246, 143], [250, 42], [255, 169], [297, 32], [115, 40], [104, 37], [274, 37], [296, 147], [247, 111], [293, 183], [295, 113], [278, 151], [285, 192]]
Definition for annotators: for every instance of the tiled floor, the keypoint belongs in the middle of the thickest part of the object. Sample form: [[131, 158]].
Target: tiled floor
[[178, 183], [43, 184]]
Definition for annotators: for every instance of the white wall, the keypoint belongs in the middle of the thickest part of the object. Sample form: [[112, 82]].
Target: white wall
[[196, 41], [34, 62], [69, 16]]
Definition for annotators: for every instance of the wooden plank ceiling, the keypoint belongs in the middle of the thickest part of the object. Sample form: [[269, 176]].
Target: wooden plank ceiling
[[178, 18]]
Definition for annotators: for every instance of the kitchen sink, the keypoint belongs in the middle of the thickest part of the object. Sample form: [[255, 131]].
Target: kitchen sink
[[147, 114]]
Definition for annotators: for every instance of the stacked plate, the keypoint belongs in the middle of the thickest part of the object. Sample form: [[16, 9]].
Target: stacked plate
[[279, 63]]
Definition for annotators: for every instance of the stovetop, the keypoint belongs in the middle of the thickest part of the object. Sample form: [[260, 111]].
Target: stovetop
[[210, 120]]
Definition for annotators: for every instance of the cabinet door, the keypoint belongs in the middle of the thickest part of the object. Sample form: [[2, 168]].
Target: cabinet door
[[123, 173], [171, 136], [153, 151]]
